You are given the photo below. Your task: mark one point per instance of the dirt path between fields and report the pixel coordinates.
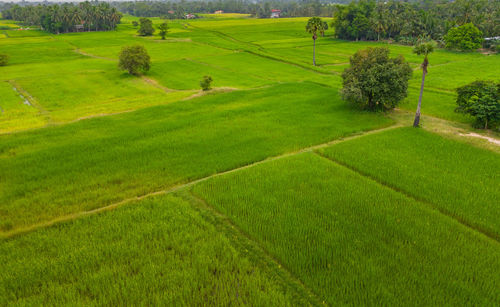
(175, 188)
(79, 51)
(157, 85)
(479, 136)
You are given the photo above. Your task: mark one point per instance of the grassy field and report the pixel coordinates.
(278, 192)
(355, 241)
(458, 179)
(160, 251)
(100, 161)
(238, 52)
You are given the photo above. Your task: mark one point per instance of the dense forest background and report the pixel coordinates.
(404, 21)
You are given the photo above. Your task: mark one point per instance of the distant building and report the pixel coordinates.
(219, 12)
(190, 16)
(275, 13)
(171, 12)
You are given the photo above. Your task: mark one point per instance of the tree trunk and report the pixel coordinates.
(419, 106)
(314, 52)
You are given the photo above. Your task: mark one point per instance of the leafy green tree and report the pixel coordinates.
(163, 30)
(466, 38)
(314, 26)
(135, 23)
(374, 81)
(325, 27)
(134, 59)
(206, 83)
(422, 49)
(146, 27)
(4, 59)
(481, 99)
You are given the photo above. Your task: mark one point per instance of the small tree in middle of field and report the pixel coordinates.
(314, 26)
(163, 30)
(374, 81)
(134, 59)
(4, 59)
(206, 83)
(422, 49)
(146, 27)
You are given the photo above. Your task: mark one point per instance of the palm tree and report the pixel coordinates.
(422, 49)
(315, 25)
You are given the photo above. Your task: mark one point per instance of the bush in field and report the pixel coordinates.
(480, 99)
(466, 38)
(134, 59)
(163, 30)
(135, 23)
(374, 81)
(206, 82)
(4, 59)
(146, 27)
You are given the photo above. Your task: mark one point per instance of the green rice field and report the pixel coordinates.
(268, 190)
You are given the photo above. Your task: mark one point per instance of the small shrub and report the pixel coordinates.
(4, 59)
(134, 59)
(206, 83)
(466, 38)
(135, 23)
(481, 99)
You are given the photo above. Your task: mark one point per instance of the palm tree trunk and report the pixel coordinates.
(417, 115)
(314, 52)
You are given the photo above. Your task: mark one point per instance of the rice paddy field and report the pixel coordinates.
(268, 190)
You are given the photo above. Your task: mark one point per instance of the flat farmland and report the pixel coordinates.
(267, 190)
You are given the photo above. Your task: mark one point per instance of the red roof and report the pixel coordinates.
(276, 11)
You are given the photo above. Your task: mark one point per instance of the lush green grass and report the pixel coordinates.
(15, 112)
(43, 49)
(87, 93)
(58, 70)
(458, 179)
(354, 241)
(92, 163)
(154, 252)
(225, 15)
(348, 238)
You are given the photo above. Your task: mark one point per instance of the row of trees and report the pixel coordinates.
(67, 17)
(408, 21)
(261, 9)
(374, 81)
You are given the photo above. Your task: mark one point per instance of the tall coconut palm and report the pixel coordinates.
(315, 25)
(422, 49)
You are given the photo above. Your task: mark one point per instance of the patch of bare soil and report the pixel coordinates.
(476, 135)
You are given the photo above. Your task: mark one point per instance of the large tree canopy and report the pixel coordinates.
(465, 38)
(374, 81)
(481, 99)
